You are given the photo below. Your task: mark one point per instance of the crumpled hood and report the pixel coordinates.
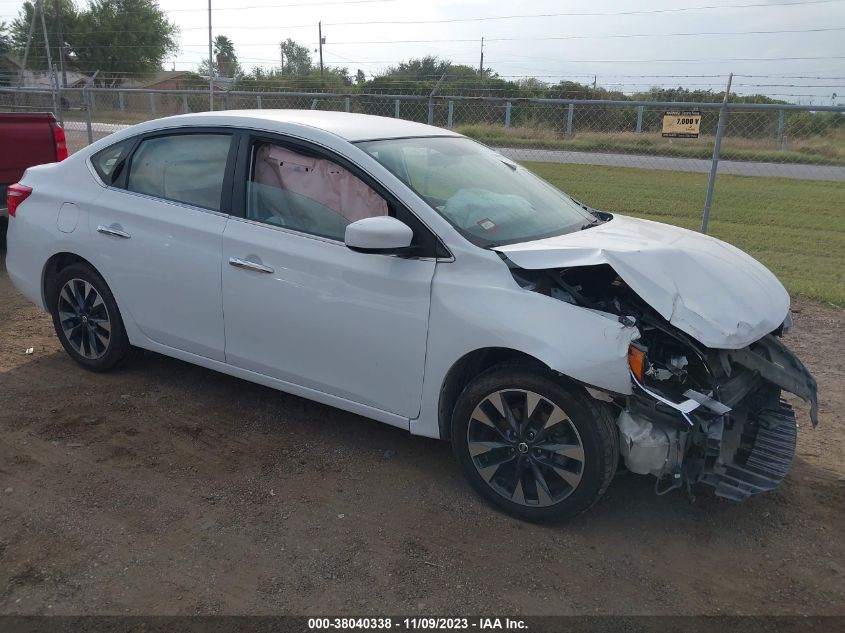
(709, 289)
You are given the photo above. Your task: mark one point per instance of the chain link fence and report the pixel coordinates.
(764, 140)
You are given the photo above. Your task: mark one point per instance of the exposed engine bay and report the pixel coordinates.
(696, 414)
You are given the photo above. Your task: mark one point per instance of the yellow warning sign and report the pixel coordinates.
(681, 123)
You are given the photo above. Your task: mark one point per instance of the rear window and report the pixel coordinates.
(188, 168)
(108, 162)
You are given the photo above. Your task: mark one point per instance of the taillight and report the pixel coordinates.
(61, 142)
(16, 194)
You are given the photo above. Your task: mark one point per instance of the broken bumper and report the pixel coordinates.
(741, 438)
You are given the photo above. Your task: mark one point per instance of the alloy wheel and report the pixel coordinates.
(84, 319)
(525, 447)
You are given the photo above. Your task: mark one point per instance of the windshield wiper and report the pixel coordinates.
(590, 224)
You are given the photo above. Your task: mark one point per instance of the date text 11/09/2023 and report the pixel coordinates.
(418, 624)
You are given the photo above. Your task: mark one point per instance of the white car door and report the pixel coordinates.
(299, 305)
(156, 234)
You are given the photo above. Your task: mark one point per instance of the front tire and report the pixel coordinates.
(86, 318)
(532, 445)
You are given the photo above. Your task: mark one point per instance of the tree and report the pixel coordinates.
(296, 59)
(120, 38)
(123, 38)
(360, 78)
(225, 59)
(37, 58)
(5, 41)
(419, 76)
(531, 87)
(6, 68)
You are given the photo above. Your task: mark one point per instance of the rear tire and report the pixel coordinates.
(87, 320)
(532, 445)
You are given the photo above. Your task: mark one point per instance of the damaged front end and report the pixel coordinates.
(696, 414)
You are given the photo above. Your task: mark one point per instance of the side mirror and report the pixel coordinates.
(382, 234)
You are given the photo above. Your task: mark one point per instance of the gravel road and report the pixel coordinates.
(674, 163)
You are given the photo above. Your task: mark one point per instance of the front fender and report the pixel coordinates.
(469, 313)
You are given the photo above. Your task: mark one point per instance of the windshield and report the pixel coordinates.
(490, 199)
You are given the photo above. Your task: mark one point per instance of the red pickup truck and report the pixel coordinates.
(27, 139)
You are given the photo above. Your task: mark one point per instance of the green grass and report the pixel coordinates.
(795, 227)
(814, 150)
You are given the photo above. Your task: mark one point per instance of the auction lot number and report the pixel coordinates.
(416, 624)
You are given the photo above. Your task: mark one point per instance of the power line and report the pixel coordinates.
(516, 39)
(594, 37)
(591, 14)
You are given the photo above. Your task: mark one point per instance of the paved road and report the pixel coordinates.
(667, 163)
(741, 168)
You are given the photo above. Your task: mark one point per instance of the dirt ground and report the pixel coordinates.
(169, 489)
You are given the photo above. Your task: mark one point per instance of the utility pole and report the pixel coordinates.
(322, 41)
(39, 6)
(61, 43)
(481, 63)
(210, 64)
(28, 41)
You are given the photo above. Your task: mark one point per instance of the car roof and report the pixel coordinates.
(347, 125)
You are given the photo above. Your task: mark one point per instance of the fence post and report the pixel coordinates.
(396, 107)
(86, 99)
(347, 106)
(451, 119)
(185, 102)
(431, 98)
(508, 114)
(570, 114)
(640, 119)
(313, 104)
(58, 98)
(258, 101)
(121, 102)
(781, 117)
(93, 99)
(153, 103)
(714, 165)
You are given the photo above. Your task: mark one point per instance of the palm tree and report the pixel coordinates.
(225, 47)
(224, 53)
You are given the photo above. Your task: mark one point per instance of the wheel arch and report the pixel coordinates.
(468, 367)
(53, 266)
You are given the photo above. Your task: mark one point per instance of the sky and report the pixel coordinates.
(625, 45)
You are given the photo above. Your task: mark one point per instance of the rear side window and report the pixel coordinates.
(108, 162)
(187, 168)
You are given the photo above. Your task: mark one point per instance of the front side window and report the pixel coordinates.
(307, 193)
(491, 200)
(187, 168)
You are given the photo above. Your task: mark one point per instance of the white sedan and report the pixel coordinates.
(411, 275)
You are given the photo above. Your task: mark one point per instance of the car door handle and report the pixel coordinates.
(248, 265)
(113, 230)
